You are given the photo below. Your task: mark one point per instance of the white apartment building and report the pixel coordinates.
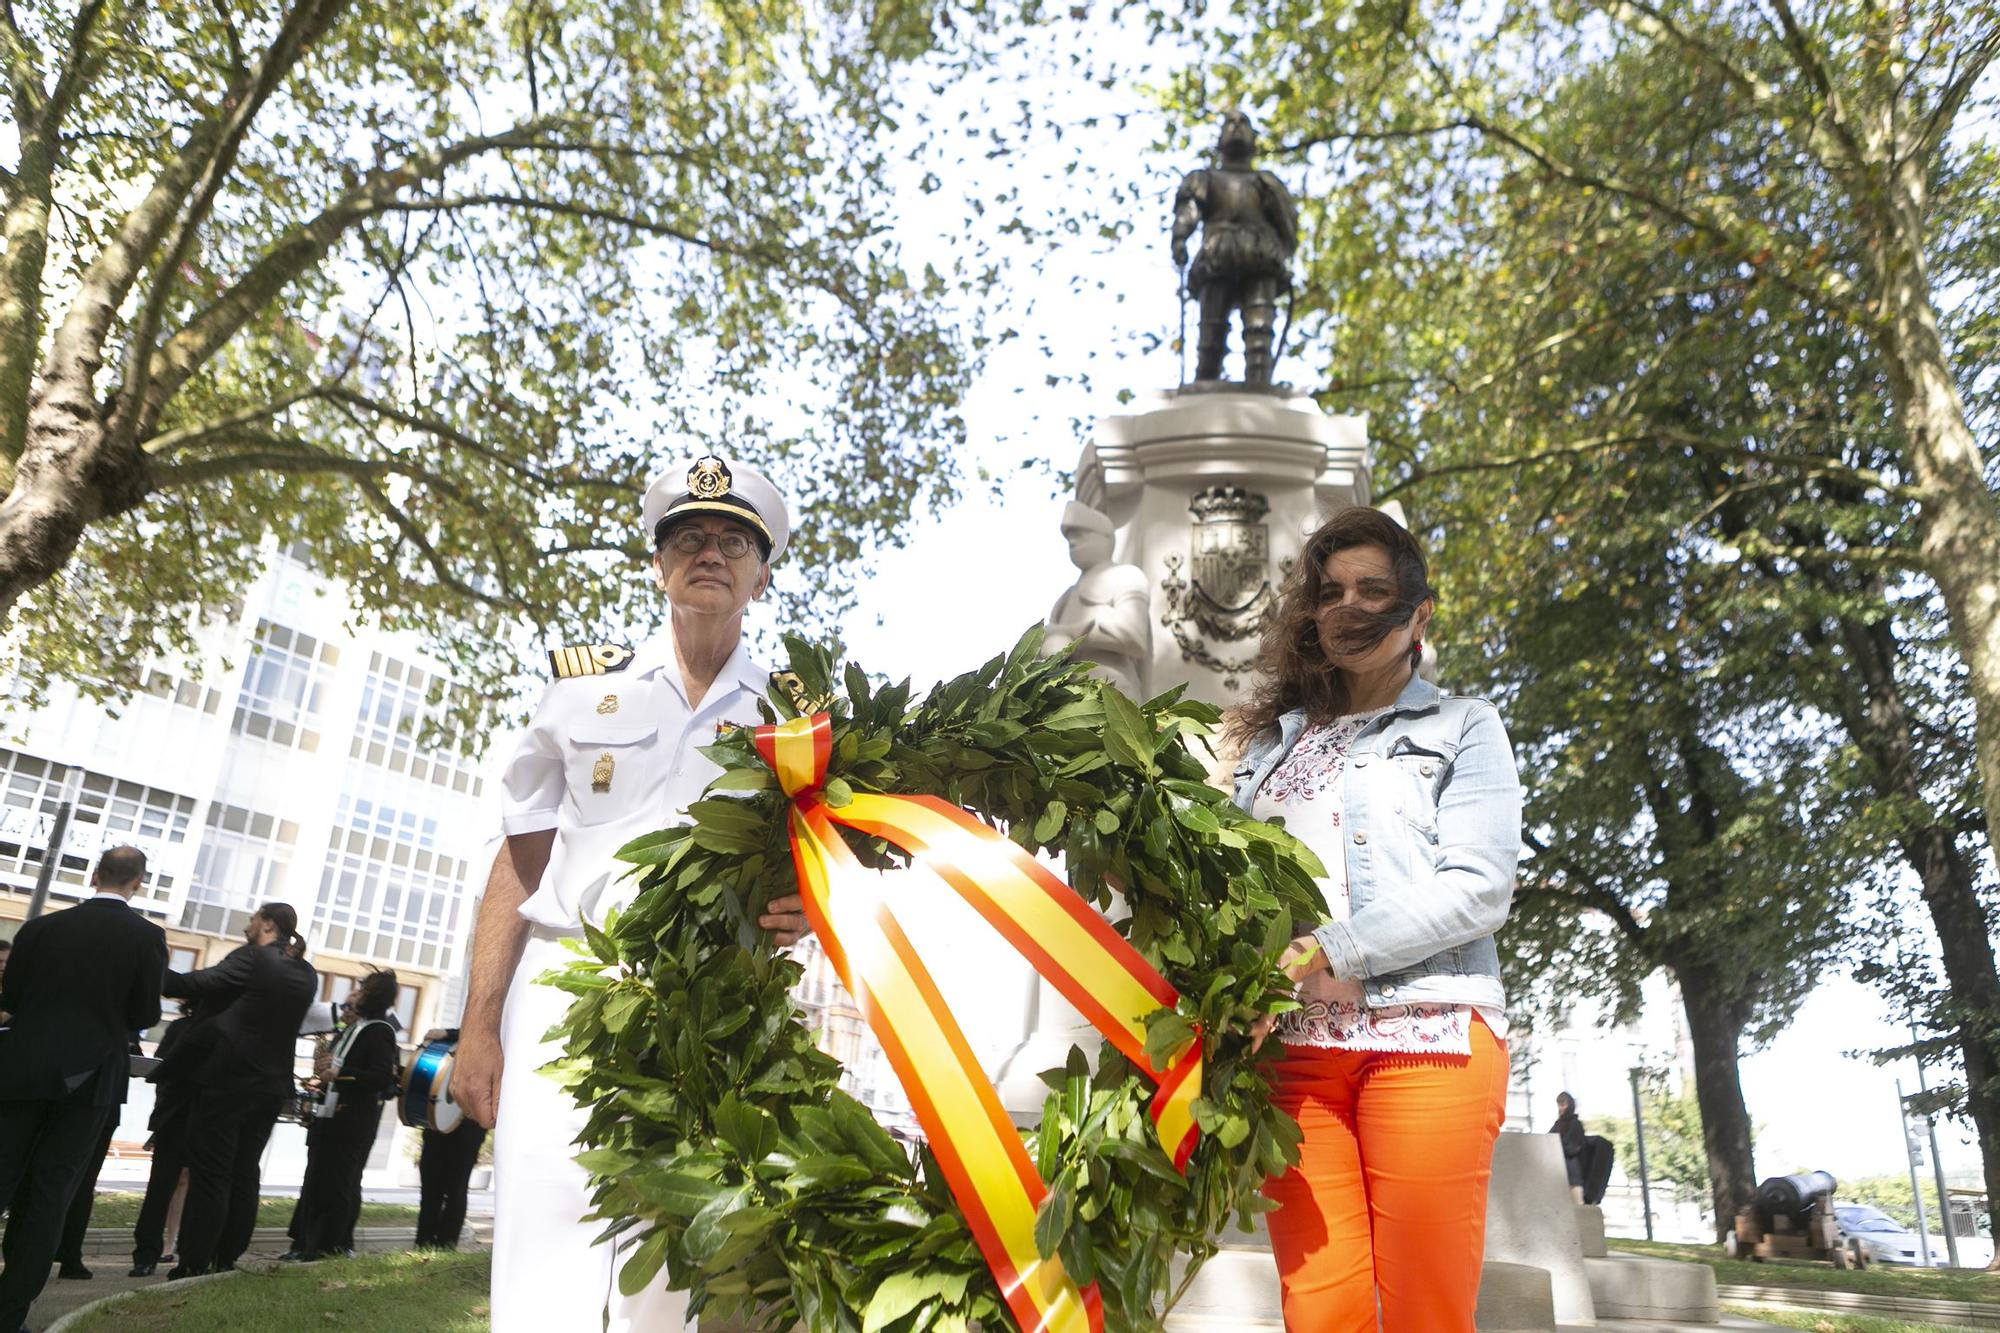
(295, 765)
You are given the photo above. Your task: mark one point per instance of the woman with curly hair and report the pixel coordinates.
(1395, 1065)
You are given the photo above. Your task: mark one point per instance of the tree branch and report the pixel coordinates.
(299, 249)
(441, 569)
(1952, 99)
(78, 64)
(302, 26)
(1799, 43)
(24, 77)
(1583, 889)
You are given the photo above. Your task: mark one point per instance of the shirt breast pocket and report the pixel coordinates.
(1420, 778)
(609, 768)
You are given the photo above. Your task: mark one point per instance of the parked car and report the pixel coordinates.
(1885, 1240)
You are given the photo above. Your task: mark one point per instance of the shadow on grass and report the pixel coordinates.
(431, 1291)
(120, 1211)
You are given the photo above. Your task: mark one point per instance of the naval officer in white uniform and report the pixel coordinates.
(611, 754)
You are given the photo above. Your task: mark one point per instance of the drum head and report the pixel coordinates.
(445, 1115)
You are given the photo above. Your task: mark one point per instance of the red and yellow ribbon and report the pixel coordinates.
(984, 1160)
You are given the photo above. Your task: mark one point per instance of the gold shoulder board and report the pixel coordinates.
(590, 659)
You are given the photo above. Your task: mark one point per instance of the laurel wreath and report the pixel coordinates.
(719, 1145)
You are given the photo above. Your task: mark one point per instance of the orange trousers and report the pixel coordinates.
(1389, 1197)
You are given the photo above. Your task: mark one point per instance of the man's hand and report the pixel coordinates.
(785, 918)
(475, 1076)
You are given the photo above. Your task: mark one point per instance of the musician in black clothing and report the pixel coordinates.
(243, 1071)
(357, 1074)
(445, 1171)
(173, 1105)
(79, 983)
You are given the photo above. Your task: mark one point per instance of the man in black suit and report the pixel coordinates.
(79, 984)
(244, 1076)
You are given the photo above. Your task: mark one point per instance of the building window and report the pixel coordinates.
(182, 693)
(107, 812)
(282, 686)
(404, 726)
(241, 865)
(387, 894)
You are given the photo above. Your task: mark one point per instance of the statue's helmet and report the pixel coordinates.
(1238, 141)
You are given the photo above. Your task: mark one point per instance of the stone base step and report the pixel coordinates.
(1590, 1230)
(1633, 1286)
(1238, 1288)
(1515, 1298)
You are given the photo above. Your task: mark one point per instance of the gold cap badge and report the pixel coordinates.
(709, 478)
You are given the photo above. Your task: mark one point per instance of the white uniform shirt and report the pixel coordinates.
(608, 758)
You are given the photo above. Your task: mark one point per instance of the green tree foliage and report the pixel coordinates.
(1640, 295)
(430, 288)
(1892, 1195)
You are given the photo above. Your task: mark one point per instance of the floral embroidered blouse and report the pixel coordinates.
(1307, 792)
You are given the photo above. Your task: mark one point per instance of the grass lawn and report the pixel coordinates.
(1839, 1323)
(432, 1291)
(121, 1211)
(1936, 1283)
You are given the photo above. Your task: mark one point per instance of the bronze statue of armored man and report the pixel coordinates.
(1249, 229)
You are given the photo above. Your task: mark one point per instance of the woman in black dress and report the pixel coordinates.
(359, 1074)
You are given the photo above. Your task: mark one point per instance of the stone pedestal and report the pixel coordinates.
(1530, 1220)
(1287, 461)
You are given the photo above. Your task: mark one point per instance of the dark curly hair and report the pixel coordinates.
(1292, 666)
(375, 994)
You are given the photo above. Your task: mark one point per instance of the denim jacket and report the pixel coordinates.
(1433, 835)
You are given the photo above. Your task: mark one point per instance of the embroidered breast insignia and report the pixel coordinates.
(607, 705)
(589, 659)
(600, 773)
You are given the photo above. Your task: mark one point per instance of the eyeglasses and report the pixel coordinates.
(690, 540)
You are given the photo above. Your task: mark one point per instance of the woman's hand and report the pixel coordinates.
(1301, 958)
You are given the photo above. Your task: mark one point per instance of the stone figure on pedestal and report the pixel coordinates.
(1249, 229)
(1105, 616)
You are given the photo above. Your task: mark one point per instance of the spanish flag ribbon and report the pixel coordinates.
(982, 1155)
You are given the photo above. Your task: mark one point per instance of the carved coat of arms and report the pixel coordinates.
(1228, 590)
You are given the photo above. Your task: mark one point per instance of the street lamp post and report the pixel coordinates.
(1916, 1188)
(1639, 1134)
(1937, 1167)
(51, 854)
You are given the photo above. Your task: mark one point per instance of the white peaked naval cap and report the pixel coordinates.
(712, 484)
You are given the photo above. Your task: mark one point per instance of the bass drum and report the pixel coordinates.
(426, 1100)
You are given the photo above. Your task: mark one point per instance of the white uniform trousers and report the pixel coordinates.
(547, 1275)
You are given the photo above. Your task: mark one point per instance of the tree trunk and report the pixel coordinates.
(1715, 1027)
(1958, 523)
(69, 476)
(1879, 721)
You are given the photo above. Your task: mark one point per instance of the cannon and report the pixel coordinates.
(1792, 1218)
